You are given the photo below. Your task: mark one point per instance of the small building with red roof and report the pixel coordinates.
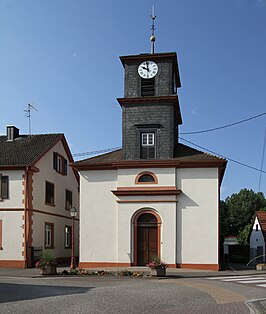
(258, 236)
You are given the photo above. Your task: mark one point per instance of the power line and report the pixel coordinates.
(262, 158)
(212, 152)
(201, 147)
(96, 152)
(224, 126)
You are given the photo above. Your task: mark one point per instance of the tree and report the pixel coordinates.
(243, 235)
(238, 210)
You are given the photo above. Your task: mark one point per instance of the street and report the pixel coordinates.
(97, 294)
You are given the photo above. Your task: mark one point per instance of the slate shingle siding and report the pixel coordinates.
(163, 80)
(149, 114)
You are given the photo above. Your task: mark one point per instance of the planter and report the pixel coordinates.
(158, 272)
(49, 270)
(261, 266)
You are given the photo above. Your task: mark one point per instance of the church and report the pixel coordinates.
(155, 197)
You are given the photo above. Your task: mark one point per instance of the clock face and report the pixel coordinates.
(148, 69)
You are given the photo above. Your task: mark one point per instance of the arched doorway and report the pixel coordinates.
(146, 237)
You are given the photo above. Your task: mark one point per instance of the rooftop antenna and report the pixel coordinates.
(152, 38)
(28, 112)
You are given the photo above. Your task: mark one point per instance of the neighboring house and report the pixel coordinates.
(258, 236)
(37, 190)
(155, 196)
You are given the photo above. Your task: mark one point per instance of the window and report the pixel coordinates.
(60, 164)
(146, 178)
(257, 227)
(49, 193)
(68, 203)
(68, 237)
(147, 146)
(49, 235)
(3, 187)
(147, 139)
(148, 87)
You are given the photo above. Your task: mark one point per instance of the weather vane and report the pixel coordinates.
(28, 111)
(152, 38)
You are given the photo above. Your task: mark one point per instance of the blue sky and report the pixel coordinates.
(62, 56)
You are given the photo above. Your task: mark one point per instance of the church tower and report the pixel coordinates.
(150, 106)
(146, 199)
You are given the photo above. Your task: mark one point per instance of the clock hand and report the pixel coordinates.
(145, 68)
(147, 64)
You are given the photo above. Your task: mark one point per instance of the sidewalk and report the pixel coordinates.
(171, 272)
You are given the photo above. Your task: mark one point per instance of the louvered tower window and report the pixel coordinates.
(148, 87)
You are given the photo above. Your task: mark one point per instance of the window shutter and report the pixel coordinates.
(65, 167)
(1, 234)
(148, 87)
(147, 152)
(4, 187)
(55, 161)
(0, 186)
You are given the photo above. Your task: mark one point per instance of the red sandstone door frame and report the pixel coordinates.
(135, 232)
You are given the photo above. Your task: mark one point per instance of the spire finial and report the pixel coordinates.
(152, 38)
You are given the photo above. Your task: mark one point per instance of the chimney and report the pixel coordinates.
(12, 132)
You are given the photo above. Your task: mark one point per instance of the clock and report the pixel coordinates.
(148, 69)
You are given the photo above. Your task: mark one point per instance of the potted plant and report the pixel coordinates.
(261, 266)
(158, 268)
(47, 264)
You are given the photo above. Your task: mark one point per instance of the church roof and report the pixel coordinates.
(184, 154)
(25, 150)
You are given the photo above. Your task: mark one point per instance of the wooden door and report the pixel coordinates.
(147, 242)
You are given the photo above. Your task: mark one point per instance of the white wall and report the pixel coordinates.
(16, 188)
(12, 235)
(98, 216)
(59, 250)
(197, 231)
(47, 173)
(166, 176)
(256, 238)
(61, 183)
(189, 231)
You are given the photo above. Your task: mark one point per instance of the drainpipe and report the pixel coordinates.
(27, 217)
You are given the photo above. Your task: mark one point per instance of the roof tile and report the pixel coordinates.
(25, 149)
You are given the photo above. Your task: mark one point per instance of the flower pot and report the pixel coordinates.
(261, 267)
(49, 270)
(158, 272)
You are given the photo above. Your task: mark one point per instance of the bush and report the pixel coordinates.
(239, 259)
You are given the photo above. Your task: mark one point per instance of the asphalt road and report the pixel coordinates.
(124, 295)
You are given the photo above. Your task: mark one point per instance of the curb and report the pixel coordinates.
(256, 306)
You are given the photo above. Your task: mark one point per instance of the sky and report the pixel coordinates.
(62, 56)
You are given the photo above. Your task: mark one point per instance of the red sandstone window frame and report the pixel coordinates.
(68, 237)
(49, 193)
(49, 237)
(149, 173)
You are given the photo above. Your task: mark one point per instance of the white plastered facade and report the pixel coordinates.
(189, 221)
(257, 241)
(12, 211)
(12, 218)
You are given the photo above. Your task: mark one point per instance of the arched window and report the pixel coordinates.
(147, 219)
(146, 178)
